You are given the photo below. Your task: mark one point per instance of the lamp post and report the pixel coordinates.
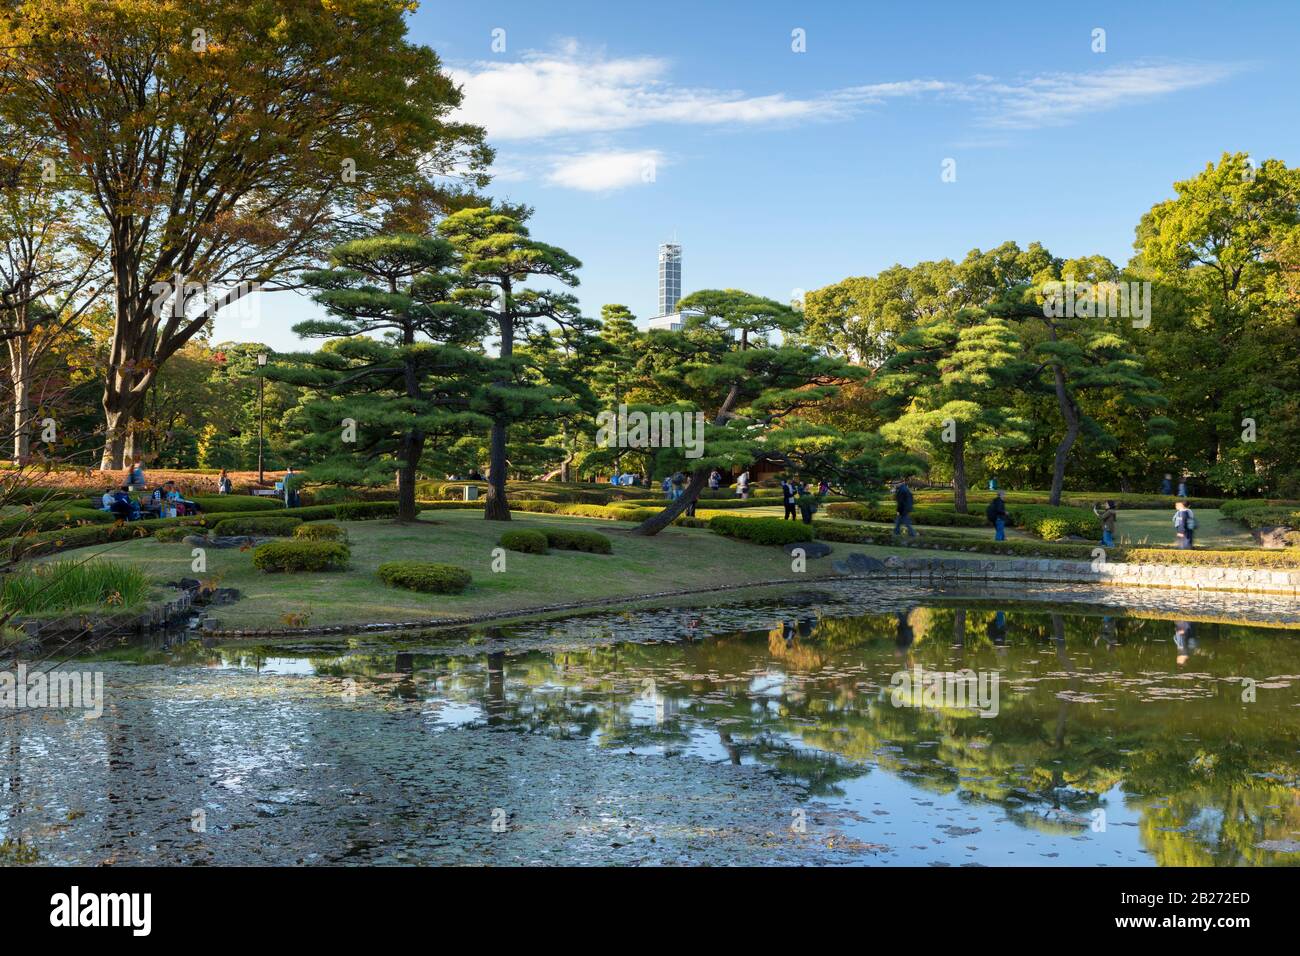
(261, 392)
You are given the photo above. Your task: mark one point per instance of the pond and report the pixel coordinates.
(851, 725)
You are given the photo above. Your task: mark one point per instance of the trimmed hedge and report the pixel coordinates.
(172, 535)
(39, 494)
(365, 510)
(956, 541)
(319, 532)
(536, 505)
(931, 515)
(575, 539)
(237, 504)
(333, 495)
(277, 556)
(761, 530)
(526, 542)
(614, 512)
(1237, 558)
(274, 526)
(422, 576)
(49, 518)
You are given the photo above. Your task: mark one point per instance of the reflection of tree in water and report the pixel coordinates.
(1087, 703)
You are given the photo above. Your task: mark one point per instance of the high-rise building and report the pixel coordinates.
(670, 277)
(670, 288)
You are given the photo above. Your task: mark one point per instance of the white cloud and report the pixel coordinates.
(1056, 98)
(606, 170)
(578, 91)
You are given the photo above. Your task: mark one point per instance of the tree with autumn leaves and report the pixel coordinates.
(224, 144)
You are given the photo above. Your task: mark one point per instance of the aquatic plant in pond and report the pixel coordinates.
(74, 586)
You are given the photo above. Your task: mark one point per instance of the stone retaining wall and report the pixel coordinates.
(1188, 577)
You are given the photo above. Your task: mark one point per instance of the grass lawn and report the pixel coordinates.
(677, 558)
(1213, 530)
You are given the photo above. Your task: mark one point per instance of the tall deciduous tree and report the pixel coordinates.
(225, 142)
(498, 256)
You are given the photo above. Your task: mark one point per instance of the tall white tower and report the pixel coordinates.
(670, 277)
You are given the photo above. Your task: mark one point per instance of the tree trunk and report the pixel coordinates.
(496, 508)
(1071, 415)
(115, 423)
(18, 367)
(656, 523)
(412, 449)
(959, 474)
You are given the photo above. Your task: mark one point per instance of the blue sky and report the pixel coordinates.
(626, 124)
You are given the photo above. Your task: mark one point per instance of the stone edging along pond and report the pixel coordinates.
(1285, 584)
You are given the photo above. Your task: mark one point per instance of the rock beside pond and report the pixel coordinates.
(811, 549)
(859, 563)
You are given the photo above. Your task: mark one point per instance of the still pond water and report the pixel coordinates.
(770, 732)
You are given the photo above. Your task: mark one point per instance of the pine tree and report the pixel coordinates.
(948, 388)
(380, 400)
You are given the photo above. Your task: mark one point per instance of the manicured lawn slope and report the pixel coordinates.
(678, 558)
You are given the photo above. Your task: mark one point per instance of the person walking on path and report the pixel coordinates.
(742, 484)
(1167, 486)
(224, 485)
(1184, 525)
(787, 497)
(1182, 487)
(135, 479)
(1108, 515)
(904, 502)
(715, 480)
(996, 512)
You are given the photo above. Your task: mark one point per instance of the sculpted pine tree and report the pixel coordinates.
(948, 390)
(400, 368)
(498, 257)
(227, 143)
(751, 391)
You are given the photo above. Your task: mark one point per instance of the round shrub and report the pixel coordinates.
(301, 556)
(320, 532)
(422, 576)
(573, 539)
(275, 527)
(527, 542)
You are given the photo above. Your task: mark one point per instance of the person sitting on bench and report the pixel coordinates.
(124, 507)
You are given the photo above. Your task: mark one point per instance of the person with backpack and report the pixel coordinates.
(904, 502)
(715, 480)
(1108, 515)
(1184, 525)
(224, 485)
(996, 512)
